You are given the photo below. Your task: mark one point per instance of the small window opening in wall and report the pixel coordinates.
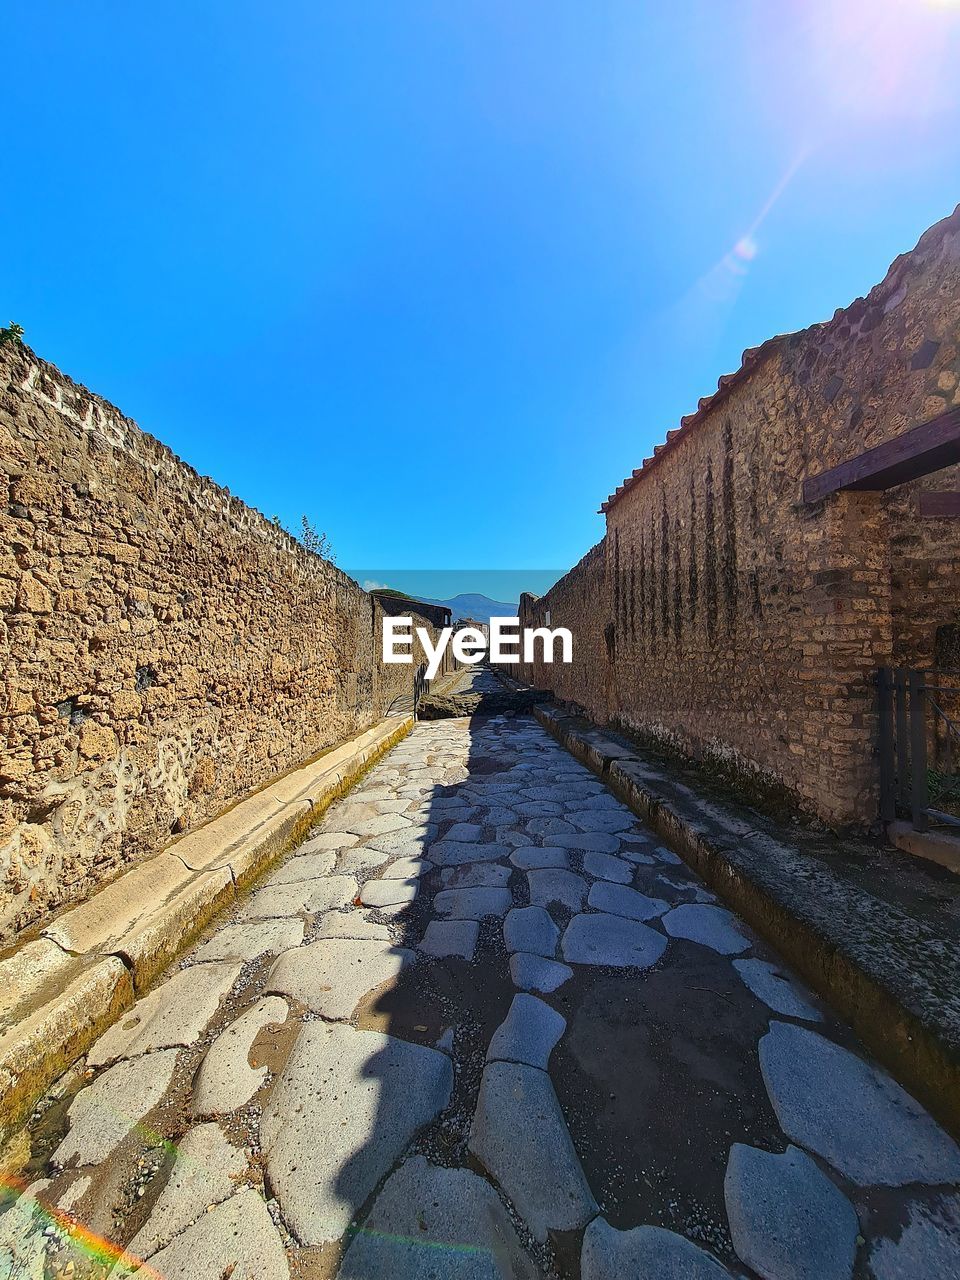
(69, 709)
(546, 618)
(146, 678)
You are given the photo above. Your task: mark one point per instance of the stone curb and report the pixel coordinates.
(60, 991)
(890, 976)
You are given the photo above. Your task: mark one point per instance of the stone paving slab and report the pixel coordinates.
(777, 990)
(497, 816)
(102, 1114)
(645, 1253)
(412, 842)
(175, 1013)
(589, 842)
(443, 806)
(544, 828)
(227, 1079)
(450, 938)
(787, 1219)
(250, 939)
(711, 927)
(663, 854)
(611, 940)
(537, 973)
(389, 893)
(622, 901)
(852, 1114)
(361, 861)
(472, 904)
(606, 820)
(340, 1115)
(927, 1243)
(528, 1034)
(307, 897)
(531, 929)
(483, 875)
(639, 857)
(406, 869)
(606, 867)
(206, 1171)
(531, 858)
(564, 888)
(688, 888)
(333, 975)
(379, 824)
(520, 1136)
(514, 839)
(603, 801)
(430, 1223)
(539, 808)
(351, 924)
(382, 802)
(564, 791)
(236, 1239)
(333, 840)
(449, 853)
(470, 832)
(308, 866)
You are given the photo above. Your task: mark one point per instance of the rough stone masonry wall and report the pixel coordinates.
(747, 626)
(165, 648)
(579, 602)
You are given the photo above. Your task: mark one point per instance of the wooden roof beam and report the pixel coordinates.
(917, 452)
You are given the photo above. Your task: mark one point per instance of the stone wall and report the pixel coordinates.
(745, 626)
(579, 602)
(166, 648)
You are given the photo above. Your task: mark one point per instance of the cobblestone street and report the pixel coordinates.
(481, 1024)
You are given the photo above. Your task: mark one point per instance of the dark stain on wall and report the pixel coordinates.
(693, 576)
(729, 531)
(710, 555)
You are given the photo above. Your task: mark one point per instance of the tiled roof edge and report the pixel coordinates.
(928, 243)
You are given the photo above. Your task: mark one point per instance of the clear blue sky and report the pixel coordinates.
(440, 274)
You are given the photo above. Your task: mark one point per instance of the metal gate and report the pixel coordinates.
(920, 746)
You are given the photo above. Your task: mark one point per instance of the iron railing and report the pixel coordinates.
(920, 746)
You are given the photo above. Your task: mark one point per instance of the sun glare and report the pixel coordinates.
(884, 59)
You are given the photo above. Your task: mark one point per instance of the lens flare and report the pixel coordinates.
(94, 1247)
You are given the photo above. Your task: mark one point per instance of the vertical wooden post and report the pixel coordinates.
(888, 797)
(903, 736)
(918, 753)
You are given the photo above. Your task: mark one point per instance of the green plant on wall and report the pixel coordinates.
(316, 541)
(13, 333)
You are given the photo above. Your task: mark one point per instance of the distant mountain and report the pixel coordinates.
(472, 605)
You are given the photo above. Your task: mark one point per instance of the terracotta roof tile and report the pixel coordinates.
(928, 245)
